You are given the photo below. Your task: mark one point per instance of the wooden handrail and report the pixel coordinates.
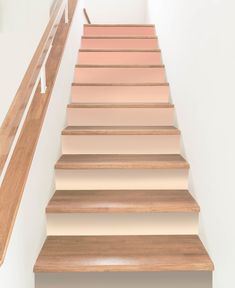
(86, 16)
(17, 171)
(15, 113)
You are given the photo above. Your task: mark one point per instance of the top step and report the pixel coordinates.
(119, 30)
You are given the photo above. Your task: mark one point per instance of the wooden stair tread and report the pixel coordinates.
(120, 130)
(101, 201)
(123, 253)
(121, 161)
(120, 105)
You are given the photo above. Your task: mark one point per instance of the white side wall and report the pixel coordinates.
(116, 11)
(30, 227)
(21, 26)
(198, 44)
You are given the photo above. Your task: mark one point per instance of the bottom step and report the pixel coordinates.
(122, 254)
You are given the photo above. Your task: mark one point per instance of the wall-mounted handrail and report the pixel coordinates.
(11, 190)
(86, 16)
(15, 113)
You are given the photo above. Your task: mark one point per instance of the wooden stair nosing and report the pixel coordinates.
(121, 105)
(159, 253)
(121, 50)
(118, 66)
(119, 37)
(122, 201)
(121, 84)
(121, 161)
(119, 25)
(120, 130)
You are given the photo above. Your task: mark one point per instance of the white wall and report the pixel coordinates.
(29, 230)
(116, 11)
(21, 26)
(198, 44)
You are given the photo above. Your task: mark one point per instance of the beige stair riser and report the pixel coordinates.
(115, 94)
(125, 280)
(121, 144)
(119, 31)
(119, 58)
(95, 179)
(119, 75)
(120, 116)
(114, 43)
(122, 224)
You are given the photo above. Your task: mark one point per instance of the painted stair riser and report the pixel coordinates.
(119, 75)
(112, 43)
(125, 280)
(171, 223)
(119, 58)
(119, 31)
(123, 94)
(95, 179)
(120, 144)
(120, 116)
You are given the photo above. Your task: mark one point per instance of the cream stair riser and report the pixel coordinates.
(92, 179)
(171, 223)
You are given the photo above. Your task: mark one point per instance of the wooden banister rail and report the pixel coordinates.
(15, 113)
(86, 16)
(17, 171)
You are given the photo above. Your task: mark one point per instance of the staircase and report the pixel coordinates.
(121, 202)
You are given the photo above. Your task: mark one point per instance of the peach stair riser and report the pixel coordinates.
(120, 93)
(120, 144)
(119, 43)
(122, 57)
(122, 74)
(105, 30)
(162, 116)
